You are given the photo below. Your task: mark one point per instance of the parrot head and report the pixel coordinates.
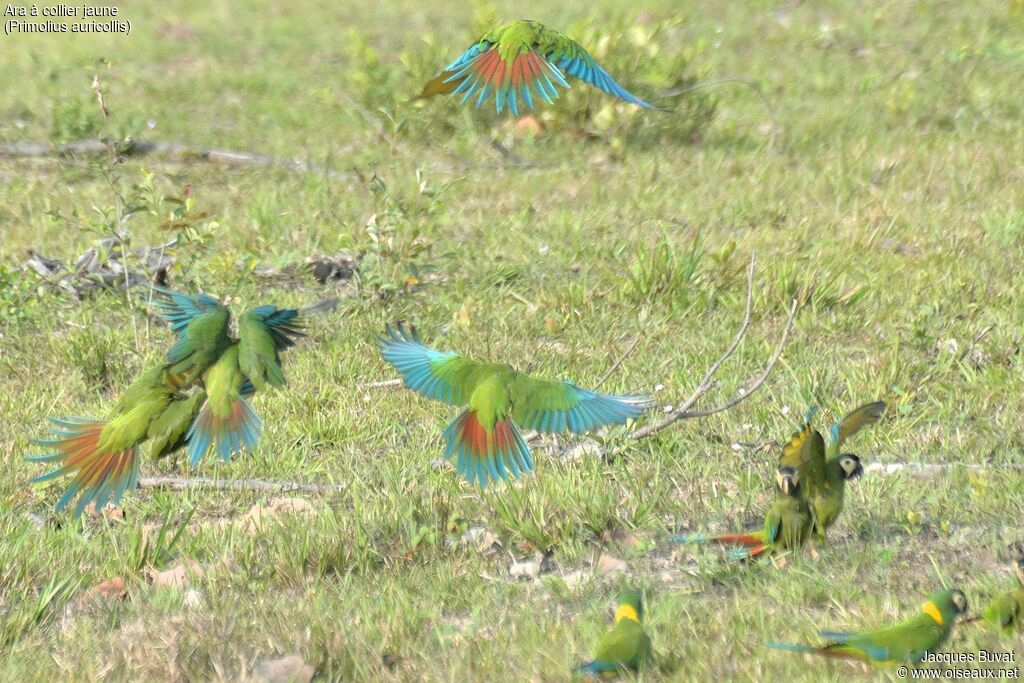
(630, 606)
(945, 606)
(787, 479)
(851, 466)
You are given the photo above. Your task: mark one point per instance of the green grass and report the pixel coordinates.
(890, 205)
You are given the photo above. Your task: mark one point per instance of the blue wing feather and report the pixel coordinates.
(402, 349)
(589, 71)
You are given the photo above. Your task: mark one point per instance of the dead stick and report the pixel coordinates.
(187, 483)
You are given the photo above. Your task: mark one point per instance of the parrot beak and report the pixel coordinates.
(787, 480)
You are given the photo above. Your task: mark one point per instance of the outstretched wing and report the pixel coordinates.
(282, 325)
(481, 71)
(438, 375)
(200, 324)
(570, 57)
(178, 310)
(556, 407)
(805, 451)
(856, 420)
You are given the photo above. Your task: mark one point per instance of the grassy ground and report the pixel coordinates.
(890, 204)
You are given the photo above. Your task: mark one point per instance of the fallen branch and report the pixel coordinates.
(188, 483)
(922, 469)
(685, 410)
(138, 148)
(383, 383)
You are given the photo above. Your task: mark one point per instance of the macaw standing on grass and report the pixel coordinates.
(824, 471)
(1006, 612)
(788, 522)
(511, 59)
(102, 456)
(485, 439)
(626, 647)
(906, 642)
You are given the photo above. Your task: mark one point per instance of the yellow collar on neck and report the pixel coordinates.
(932, 610)
(625, 611)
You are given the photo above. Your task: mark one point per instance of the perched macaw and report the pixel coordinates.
(906, 642)
(484, 438)
(101, 456)
(1006, 613)
(626, 647)
(511, 59)
(824, 471)
(787, 524)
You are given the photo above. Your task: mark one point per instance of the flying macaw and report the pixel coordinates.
(787, 524)
(200, 324)
(824, 471)
(906, 642)
(230, 370)
(511, 59)
(485, 439)
(626, 647)
(101, 456)
(1006, 613)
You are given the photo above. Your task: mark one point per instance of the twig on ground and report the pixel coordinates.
(922, 469)
(383, 383)
(131, 148)
(187, 483)
(685, 410)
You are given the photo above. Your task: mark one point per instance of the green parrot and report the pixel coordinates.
(266, 331)
(485, 438)
(101, 456)
(626, 647)
(200, 324)
(906, 642)
(226, 422)
(787, 524)
(229, 370)
(1006, 613)
(824, 471)
(511, 59)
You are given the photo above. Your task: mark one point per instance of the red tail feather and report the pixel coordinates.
(749, 540)
(96, 476)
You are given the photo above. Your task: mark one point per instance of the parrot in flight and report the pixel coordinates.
(824, 470)
(906, 642)
(626, 647)
(788, 522)
(485, 439)
(196, 399)
(511, 59)
(101, 456)
(1006, 613)
(231, 370)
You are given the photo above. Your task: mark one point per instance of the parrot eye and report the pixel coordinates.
(960, 602)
